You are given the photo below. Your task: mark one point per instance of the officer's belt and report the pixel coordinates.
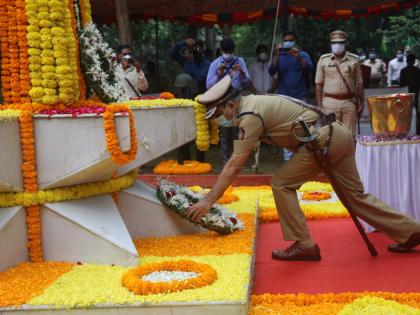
(340, 96)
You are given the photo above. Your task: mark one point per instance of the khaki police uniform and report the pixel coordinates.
(377, 71)
(336, 97)
(279, 114)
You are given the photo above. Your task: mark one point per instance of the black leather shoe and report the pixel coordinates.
(295, 253)
(406, 247)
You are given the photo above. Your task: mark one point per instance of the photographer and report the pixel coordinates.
(228, 64)
(189, 55)
(292, 66)
(133, 75)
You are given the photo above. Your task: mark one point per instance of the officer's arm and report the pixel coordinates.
(318, 94)
(227, 176)
(319, 81)
(225, 179)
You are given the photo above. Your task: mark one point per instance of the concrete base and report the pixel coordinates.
(13, 237)
(145, 215)
(71, 229)
(176, 309)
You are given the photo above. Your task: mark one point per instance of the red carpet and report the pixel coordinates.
(346, 264)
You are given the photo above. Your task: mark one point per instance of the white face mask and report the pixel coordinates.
(227, 57)
(400, 57)
(223, 122)
(362, 57)
(263, 56)
(338, 48)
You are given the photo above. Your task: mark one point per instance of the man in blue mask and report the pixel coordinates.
(228, 64)
(293, 67)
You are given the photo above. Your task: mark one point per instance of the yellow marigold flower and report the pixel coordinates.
(32, 28)
(33, 36)
(33, 21)
(34, 51)
(59, 53)
(36, 74)
(35, 60)
(36, 92)
(46, 45)
(36, 82)
(56, 16)
(48, 60)
(49, 84)
(45, 31)
(49, 75)
(45, 23)
(49, 91)
(46, 38)
(58, 31)
(50, 99)
(48, 68)
(65, 83)
(43, 3)
(43, 15)
(66, 98)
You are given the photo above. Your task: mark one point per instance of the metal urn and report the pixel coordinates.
(390, 115)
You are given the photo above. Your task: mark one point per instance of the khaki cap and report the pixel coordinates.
(215, 95)
(338, 36)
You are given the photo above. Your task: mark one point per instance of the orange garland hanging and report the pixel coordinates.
(33, 214)
(132, 279)
(22, 21)
(113, 146)
(316, 196)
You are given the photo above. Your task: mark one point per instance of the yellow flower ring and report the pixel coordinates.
(112, 143)
(133, 281)
(315, 195)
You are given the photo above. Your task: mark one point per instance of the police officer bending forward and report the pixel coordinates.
(272, 119)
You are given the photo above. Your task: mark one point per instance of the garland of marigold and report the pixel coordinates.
(203, 138)
(81, 77)
(13, 52)
(112, 142)
(76, 192)
(171, 167)
(132, 279)
(214, 132)
(5, 56)
(22, 21)
(33, 219)
(86, 11)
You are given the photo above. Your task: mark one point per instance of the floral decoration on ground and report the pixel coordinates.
(179, 198)
(316, 195)
(87, 284)
(27, 280)
(336, 304)
(199, 275)
(172, 167)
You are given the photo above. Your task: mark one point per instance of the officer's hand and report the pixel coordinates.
(237, 67)
(190, 42)
(198, 210)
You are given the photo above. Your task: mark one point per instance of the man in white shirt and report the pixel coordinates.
(258, 72)
(132, 74)
(377, 69)
(394, 68)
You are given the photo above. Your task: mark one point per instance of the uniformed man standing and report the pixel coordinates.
(378, 69)
(273, 119)
(339, 82)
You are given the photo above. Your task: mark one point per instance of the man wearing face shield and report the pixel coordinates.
(377, 69)
(394, 68)
(189, 54)
(228, 64)
(339, 82)
(280, 120)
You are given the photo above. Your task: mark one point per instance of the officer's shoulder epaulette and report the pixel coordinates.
(326, 55)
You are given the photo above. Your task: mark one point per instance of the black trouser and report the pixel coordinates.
(227, 135)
